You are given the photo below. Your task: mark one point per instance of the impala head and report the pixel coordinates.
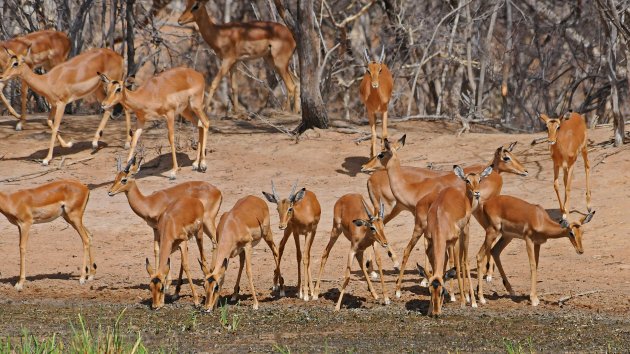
(212, 284)
(113, 91)
(472, 179)
(374, 223)
(157, 284)
(552, 125)
(575, 231)
(285, 206)
(124, 175)
(505, 161)
(192, 8)
(436, 288)
(14, 64)
(382, 158)
(374, 67)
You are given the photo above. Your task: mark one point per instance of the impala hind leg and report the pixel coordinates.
(237, 286)
(359, 255)
(334, 235)
(248, 270)
(8, 105)
(531, 254)
(88, 267)
(417, 233)
(268, 237)
(226, 65)
(203, 123)
(482, 258)
(59, 108)
(199, 241)
(282, 68)
(184, 250)
(346, 279)
(25, 228)
(377, 256)
(466, 267)
(298, 256)
(496, 254)
(306, 259)
(587, 171)
(170, 124)
(234, 89)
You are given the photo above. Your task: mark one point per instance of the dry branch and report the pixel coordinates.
(564, 299)
(42, 173)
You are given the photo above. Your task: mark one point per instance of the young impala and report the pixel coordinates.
(236, 41)
(150, 207)
(299, 214)
(239, 230)
(510, 217)
(48, 48)
(68, 82)
(565, 144)
(66, 198)
(181, 220)
(375, 91)
(447, 225)
(362, 227)
(174, 91)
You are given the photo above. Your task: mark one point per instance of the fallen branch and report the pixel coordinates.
(564, 299)
(277, 127)
(539, 140)
(622, 148)
(42, 173)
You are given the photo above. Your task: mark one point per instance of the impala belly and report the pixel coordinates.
(253, 49)
(47, 213)
(513, 229)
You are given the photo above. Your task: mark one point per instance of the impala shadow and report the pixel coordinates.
(352, 165)
(57, 276)
(59, 152)
(349, 301)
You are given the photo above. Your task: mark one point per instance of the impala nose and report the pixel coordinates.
(525, 173)
(477, 195)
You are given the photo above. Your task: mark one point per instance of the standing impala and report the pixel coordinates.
(299, 214)
(181, 220)
(353, 217)
(48, 48)
(67, 198)
(150, 207)
(447, 225)
(240, 229)
(565, 144)
(236, 41)
(375, 91)
(172, 92)
(510, 217)
(68, 82)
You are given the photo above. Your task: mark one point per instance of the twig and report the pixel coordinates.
(364, 138)
(539, 140)
(278, 128)
(564, 299)
(41, 173)
(622, 148)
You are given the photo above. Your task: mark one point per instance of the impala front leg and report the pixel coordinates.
(226, 65)
(59, 108)
(170, 124)
(23, 99)
(372, 119)
(8, 105)
(385, 135)
(556, 187)
(359, 256)
(533, 295)
(202, 125)
(379, 263)
(24, 231)
(101, 127)
(346, 279)
(237, 286)
(136, 137)
(587, 170)
(417, 233)
(248, 270)
(234, 87)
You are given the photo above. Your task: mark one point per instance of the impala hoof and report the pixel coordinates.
(91, 277)
(18, 127)
(282, 293)
(305, 298)
(82, 281)
(535, 302)
(255, 306)
(474, 305)
(69, 144)
(195, 166)
(172, 175)
(488, 278)
(95, 145)
(482, 300)
(19, 286)
(45, 162)
(374, 275)
(398, 293)
(424, 283)
(387, 301)
(127, 145)
(203, 167)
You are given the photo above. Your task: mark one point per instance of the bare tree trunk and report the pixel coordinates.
(112, 23)
(438, 110)
(131, 50)
(471, 75)
(76, 29)
(507, 62)
(486, 54)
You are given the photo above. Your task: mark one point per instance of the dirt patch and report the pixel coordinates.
(244, 155)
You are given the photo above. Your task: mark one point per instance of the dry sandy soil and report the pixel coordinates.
(244, 155)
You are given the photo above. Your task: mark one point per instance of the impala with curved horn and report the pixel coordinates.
(299, 215)
(375, 91)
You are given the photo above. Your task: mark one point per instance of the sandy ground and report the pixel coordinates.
(244, 155)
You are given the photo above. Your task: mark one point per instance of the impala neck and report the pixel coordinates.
(554, 230)
(439, 257)
(37, 83)
(396, 179)
(4, 204)
(207, 28)
(137, 201)
(132, 100)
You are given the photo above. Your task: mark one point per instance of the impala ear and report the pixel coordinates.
(459, 172)
(28, 53)
(450, 274)
(512, 145)
(486, 172)
(587, 218)
(149, 268)
(401, 141)
(204, 268)
(9, 52)
(422, 272)
(270, 197)
(225, 263)
(543, 117)
(299, 195)
(103, 77)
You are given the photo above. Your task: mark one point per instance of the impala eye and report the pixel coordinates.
(380, 155)
(506, 158)
(118, 89)
(195, 7)
(373, 228)
(467, 181)
(15, 64)
(290, 210)
(123, 181)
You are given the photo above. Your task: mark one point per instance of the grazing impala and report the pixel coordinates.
(150, 207)
(174, 91)
(68, 82)
(240, 229)
(565, 144)
(362, 227)
(510, 217)
(181, 220)
(375, 91)
(299, 214)
(67, 198)
(447, 225)
(47, 49)
(237, 41)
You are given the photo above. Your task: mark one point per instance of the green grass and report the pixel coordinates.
(515, 347)
(224, 318)
(83, 340)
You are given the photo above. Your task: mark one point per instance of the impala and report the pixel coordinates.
(375, 91)
(68, 82)
(239, 230)
(237, 41)
(361, 227)
(299, 214)
(150, 207)
(181, 220)
(47, 49)
(510, 217)
(174, 91)
(565, 144)
(66, 198)
(447, 224)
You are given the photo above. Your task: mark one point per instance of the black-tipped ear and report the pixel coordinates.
(512, 145)
(270, 197)
(588, 217)
(486, 172)
(225, 263)
(564, 223)
(421, 271)
(299, 195)
(450, 274)
(359, 222)
(459, 172)
(388, 146)
(401, 141)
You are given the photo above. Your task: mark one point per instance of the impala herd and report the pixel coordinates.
(441, 202)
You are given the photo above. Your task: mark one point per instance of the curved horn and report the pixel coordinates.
(293, 190)
(130, 163)
(382, 57)
(118, 164)
(367, 210)
(367, 56)
(273, 191)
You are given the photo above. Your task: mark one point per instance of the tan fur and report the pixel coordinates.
(375, 91)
